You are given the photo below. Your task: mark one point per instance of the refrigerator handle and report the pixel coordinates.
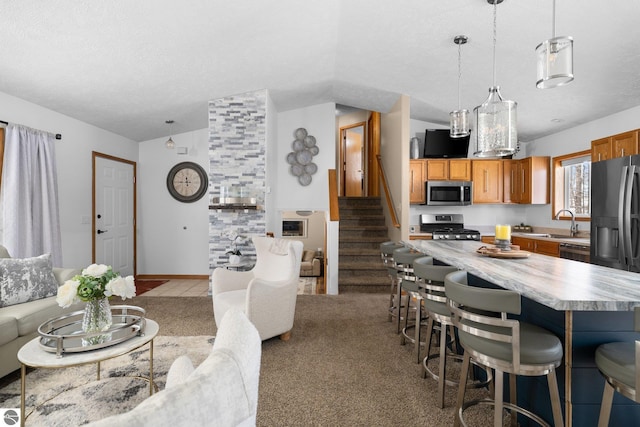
(626, 231)
(622, 205)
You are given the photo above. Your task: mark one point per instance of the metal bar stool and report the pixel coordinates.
(619, 363)
(386, 253)
(403, 259)
(430, 280)
(413, 289)
(505, 345)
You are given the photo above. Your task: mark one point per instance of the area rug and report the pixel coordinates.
(143, 286)
(73, 396)
(307, 285)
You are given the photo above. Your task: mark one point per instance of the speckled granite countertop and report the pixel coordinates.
(557, 283)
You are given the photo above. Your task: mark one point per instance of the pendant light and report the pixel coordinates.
(170, 144)
(459, 119)
(555, 59)
(496, 119)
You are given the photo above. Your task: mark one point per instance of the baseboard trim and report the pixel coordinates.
(172, 277)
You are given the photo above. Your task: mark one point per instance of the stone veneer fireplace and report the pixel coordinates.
(237, 156)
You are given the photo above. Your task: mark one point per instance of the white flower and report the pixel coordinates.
(95, 270)
(67, 293)
(121, 286)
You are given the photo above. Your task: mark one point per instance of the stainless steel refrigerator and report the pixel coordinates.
(615, 213)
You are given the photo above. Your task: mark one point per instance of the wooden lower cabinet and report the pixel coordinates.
(538, 246)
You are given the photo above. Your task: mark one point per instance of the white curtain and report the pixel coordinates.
(30, 217)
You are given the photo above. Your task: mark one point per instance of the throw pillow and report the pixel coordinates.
(179, 371)
(26, 279)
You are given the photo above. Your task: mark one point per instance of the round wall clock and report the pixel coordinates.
(187, 182)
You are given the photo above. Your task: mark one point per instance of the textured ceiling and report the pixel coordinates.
(127, 66)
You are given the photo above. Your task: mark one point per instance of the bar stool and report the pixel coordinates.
(386, 253)
(414, 291)
(619, 363)
(505, 345)
(430, 280)
(403, 259)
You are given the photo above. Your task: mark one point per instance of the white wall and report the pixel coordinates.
(319, 121)
(572, 140)
(173, 237)
(394, 151)
(73, 154)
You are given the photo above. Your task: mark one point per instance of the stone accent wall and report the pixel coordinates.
(237, 158)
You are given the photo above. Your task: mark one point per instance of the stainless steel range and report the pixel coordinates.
(447, 227)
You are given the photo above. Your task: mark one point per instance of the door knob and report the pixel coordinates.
(102, 231)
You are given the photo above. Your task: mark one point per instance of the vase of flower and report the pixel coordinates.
(94, 286)
(97, 318)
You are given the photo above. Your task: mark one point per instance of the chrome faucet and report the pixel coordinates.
(574, 226)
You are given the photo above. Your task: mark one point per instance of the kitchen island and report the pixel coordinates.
(584, 304)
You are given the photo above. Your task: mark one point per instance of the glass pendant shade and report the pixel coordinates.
(496, 131)
(170, 144)
(459, 123)
(555, 62)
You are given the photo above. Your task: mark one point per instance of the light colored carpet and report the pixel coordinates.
(73, 396)
(307, 285)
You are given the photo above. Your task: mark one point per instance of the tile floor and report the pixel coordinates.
(180, 288)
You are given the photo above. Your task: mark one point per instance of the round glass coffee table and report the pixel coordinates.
(32, 355)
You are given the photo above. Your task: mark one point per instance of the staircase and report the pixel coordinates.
(362, 229)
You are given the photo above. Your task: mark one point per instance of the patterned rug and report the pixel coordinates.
(307, 285)
(73, 396)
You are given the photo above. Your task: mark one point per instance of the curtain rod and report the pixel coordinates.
(58, 136)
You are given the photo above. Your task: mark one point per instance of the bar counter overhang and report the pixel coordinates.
(583, 304)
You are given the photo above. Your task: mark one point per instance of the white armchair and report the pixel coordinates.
(267, 293)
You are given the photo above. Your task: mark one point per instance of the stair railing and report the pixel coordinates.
(387, 193)
(334, 209)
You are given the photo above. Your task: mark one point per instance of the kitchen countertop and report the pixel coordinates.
(554, 282)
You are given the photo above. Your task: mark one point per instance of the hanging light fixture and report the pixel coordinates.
(555, 59)
(170, 144)
(496, 119)
(459, 119)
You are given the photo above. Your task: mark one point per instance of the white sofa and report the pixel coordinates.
(310, 265)
(222, 391)
(267, 293)
(19, 323)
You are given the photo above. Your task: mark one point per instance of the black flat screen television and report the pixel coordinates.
(438, 144)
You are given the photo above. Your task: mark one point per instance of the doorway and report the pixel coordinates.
(114, 213)
(353, 139)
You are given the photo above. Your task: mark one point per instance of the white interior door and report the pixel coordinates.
(114, 215)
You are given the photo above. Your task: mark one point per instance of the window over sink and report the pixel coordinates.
(572, 184)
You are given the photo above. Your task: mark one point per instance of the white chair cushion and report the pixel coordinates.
(228, 300)
(180, 370)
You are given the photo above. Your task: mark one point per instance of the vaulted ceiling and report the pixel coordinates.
(127, 66)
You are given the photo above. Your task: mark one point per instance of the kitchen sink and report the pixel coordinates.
(563, 236)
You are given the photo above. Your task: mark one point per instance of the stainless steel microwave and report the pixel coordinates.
(448, 193)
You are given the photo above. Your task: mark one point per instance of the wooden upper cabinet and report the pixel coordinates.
(508, 181)
(416, 181)
(437, 170)
(449, 170)
(601, 149)
(526, 181)
(620, 145)
(487, 181)
(624, 144)
(460, 170)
